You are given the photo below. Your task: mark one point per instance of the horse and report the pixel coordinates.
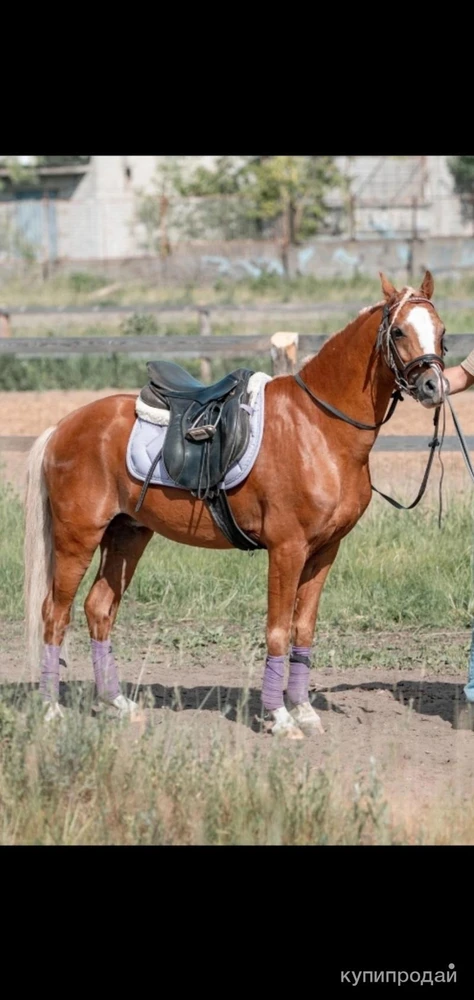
(309, 486)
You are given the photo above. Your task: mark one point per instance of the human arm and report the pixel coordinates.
(461, 376)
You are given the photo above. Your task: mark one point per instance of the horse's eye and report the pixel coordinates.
(397, 333)
(444, 349)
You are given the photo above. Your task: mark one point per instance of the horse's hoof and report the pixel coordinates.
(285, 726)
(307, 719)
(54, 711)
(124, 707)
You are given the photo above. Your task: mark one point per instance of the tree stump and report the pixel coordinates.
(284, 353)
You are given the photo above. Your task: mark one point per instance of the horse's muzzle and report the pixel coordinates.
(430, 388)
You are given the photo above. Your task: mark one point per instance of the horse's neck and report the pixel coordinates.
(349, 374)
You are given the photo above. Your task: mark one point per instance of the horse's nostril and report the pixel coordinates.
(430, 385)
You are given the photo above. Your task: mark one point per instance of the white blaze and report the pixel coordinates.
(424, 328)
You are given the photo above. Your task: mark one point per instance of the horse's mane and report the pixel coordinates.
(362, 314)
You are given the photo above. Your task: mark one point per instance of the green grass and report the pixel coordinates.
(89, 781)
(81, 287)
(395, 570)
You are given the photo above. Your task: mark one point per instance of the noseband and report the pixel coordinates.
(387, 346)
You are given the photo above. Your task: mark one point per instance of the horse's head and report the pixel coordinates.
(411, 338)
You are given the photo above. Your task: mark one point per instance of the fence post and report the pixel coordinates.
(205, 330)
(5, 328)
(284, 353)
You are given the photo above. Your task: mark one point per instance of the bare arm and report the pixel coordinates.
(460, 377)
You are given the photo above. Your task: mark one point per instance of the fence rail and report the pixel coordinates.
(459, 345)
(385, 443)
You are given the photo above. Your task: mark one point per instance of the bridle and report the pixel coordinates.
(386, 346)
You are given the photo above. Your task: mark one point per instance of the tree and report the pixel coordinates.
(462, 170)
(283, 195)
(291, 191)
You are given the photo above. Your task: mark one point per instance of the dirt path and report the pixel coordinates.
(417, 729)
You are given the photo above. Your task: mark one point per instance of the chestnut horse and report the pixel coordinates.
(307, 489)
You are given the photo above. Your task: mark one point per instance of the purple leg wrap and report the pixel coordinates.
(49, 683)
(297, 690)
(105, 670)
(272, 687)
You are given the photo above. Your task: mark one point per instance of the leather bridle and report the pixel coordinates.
(387, 346)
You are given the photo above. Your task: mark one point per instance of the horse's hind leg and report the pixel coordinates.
(122, 546)
(72, 557)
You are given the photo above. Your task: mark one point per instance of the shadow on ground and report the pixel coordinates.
(234, 703)
(426, 697)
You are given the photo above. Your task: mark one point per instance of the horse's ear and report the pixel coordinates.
(427, 285)
(388, 289)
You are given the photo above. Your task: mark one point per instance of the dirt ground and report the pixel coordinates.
(417, 727)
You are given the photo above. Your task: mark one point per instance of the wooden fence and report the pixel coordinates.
(213, 347)
(285, 349)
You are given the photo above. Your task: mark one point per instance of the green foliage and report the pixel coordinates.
(19, 174)
(14, 244)
(92, 371)
(61, 161)
(292, 186)
(84, 282)
(239, 197)
(139, 325)
(462, 170)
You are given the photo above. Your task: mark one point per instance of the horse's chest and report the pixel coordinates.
(338, 512)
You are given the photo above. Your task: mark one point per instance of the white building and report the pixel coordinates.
(86, 211)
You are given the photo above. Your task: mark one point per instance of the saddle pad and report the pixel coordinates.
(148, 436)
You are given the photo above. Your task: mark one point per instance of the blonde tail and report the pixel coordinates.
(38, 548)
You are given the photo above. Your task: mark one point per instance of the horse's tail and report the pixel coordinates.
(38, 547)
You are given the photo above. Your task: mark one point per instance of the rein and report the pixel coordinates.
(462, 442)
(401, 373)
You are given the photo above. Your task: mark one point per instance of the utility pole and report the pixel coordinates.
(412, 242)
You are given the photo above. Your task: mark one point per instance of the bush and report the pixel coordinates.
(139, 325)
(91, 371)
(83, 281)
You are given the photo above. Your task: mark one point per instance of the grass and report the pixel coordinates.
(81, 288)
(395, 572)
(92, 371)
(87, 780)
(83, 783)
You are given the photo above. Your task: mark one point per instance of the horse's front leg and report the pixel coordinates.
(308, 595)
(285, 565)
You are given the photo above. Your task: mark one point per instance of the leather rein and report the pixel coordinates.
(386, 345)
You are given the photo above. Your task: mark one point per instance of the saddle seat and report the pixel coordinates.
(171, 379)
(209, 425)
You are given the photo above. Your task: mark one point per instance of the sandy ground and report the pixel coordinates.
(417, 728)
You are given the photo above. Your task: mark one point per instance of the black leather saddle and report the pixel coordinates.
(208, 429)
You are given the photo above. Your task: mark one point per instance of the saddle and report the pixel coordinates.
(209, 425)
